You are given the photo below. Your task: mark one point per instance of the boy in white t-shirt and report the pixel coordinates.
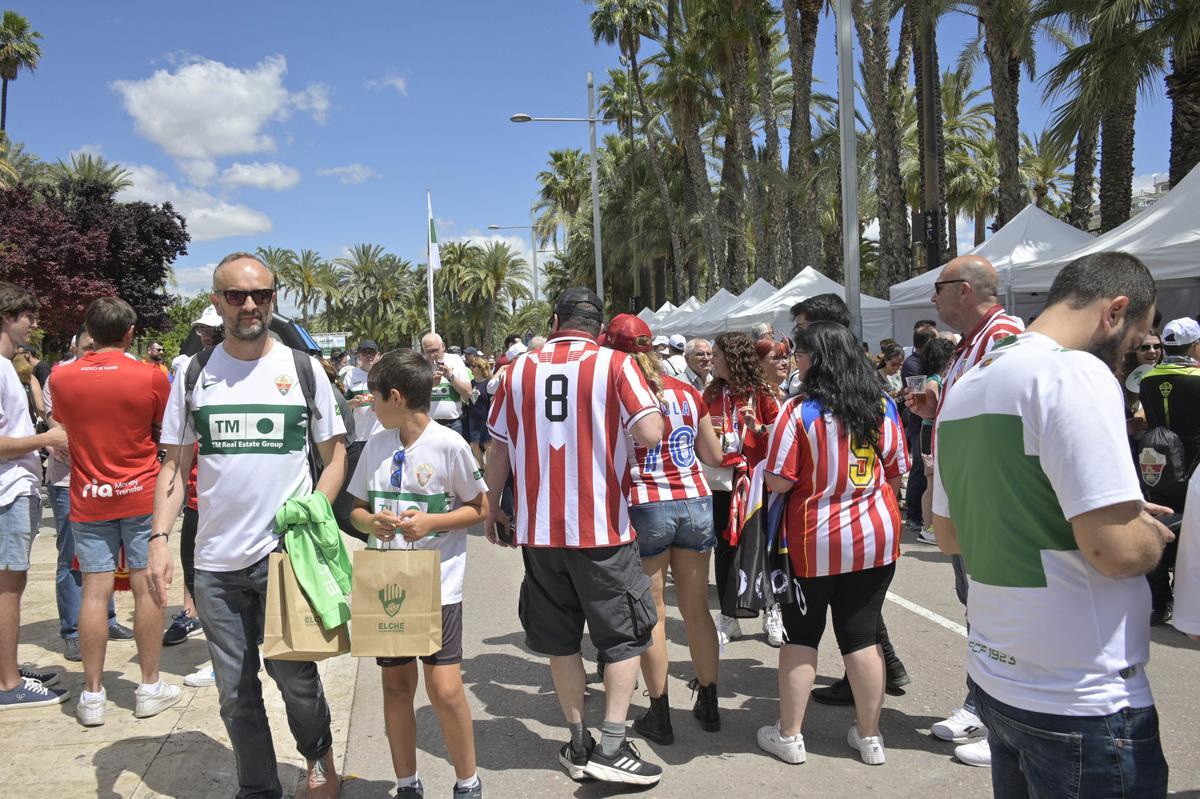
(417, 486)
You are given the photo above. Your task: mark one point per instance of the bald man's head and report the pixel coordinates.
(966, 288)
(244, 295)
(433, 347)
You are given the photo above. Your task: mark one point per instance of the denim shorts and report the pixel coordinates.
(97, 543)
(683, 523)
(19, 521)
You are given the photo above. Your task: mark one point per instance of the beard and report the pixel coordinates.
(1111, 348)
(249, 328)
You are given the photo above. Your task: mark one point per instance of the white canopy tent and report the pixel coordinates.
(711, 321)
(1030, 236)
(808, 282)
(677, 322)
(1165, 237)
(688, 306)
(652, 318)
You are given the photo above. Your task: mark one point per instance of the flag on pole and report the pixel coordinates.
(435, 261)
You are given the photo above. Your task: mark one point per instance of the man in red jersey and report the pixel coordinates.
(561, 414)
(965, 296)
(112, 408)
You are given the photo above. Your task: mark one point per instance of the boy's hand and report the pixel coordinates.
(495, 516)
(385, 523)
(415, 525)
(359, 400)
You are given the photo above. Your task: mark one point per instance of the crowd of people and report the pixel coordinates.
(612, 457)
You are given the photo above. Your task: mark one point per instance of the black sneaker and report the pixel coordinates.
(46, 678)
(475, 792)
(574, 762)
(625, 766)
(183, 626)
(1161, 615)
(837, 694)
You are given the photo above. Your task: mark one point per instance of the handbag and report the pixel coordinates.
(291, 630)
(396, 603)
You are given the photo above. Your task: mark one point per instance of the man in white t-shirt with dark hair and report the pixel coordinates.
(20, 502)
(1043, 503)
(249, 415)
(357, 394)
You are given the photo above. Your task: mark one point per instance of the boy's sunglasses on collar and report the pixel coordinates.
(397, 468)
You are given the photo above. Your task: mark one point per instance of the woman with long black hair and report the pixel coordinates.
(837, 452)
(742, 408)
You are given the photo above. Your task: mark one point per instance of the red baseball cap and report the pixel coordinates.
(627, 333)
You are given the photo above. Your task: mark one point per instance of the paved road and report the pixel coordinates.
(518, 725)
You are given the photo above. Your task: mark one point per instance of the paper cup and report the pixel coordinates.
(916, 383)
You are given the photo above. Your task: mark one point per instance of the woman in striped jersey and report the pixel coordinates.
(670, 509)
(837, 452)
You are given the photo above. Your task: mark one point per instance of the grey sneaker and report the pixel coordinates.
(31, 693)
(474, 792)
(411, 791)
(119, 632)
(149, 704)
(71, 649)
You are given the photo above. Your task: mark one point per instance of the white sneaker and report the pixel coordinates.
(961, 727)
(773, 626)
(870, 747)
(788, 749)
(201, 677)
(978, 753)
(728, 629)
(151, 704)
(926, 536)
(90, 711)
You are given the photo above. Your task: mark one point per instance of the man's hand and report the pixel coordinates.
(496, 516)
(415, 525)
(55, 438)
(161, 568)
(921, 403)
(1157, 510)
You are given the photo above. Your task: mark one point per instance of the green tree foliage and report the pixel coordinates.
(19, 50)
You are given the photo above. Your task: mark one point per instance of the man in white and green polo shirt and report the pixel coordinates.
(451, 383)
(1035, 487)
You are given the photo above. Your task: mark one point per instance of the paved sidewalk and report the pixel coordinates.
(182, 752)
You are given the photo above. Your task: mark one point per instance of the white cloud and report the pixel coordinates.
(390, 81)
(93, 150)
(1143, 182)
(191, 280)
(350, 173)
(443, 225)
(200, 171)
(205, 109)
(208, 217)
(261, 176)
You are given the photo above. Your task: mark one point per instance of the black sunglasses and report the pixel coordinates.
(937, 287)
(237, 297)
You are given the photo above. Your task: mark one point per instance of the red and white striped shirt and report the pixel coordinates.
(563, 412)
(841, 514)
(670, 469)
(995, 326)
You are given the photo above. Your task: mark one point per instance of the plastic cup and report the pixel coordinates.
(916, 383)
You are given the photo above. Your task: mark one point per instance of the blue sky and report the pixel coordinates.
(301, 126)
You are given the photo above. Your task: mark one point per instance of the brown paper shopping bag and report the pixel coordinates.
(396, 603)
(291, 631)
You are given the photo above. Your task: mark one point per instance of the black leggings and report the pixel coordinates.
(187, 548)
(856, 599)
(723, 553)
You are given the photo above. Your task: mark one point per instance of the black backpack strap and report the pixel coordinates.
(308, 383)
(191, 377)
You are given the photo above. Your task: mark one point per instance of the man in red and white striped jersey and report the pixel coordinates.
(561, 414)
(965, 296)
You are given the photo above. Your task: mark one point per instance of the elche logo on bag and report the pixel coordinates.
(391, 597)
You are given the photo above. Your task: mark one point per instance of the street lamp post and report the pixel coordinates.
(532, 246)
(591, 119)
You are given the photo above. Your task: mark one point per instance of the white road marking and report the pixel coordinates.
(936, 618)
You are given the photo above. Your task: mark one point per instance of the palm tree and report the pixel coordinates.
(279, 261)
(18, 50)
(1044, 162)
(498, 277)
(9, 176)
(801, 20)
(973, 184)
(625, 22)
(563, 187)
(331, 285)
(966, 125)
(85, 166)
(304, 280)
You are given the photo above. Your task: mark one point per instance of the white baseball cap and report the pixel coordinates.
(677, 342)
(1181, 331)
(210, 318)
(660, 341)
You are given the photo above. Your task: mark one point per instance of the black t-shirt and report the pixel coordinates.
(42, 373)
(481, 402)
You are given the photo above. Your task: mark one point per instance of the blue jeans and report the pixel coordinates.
(19, 521)
(454, 424)
(1038, 755)
(68, 582)
(683, 523)
(233, 605)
